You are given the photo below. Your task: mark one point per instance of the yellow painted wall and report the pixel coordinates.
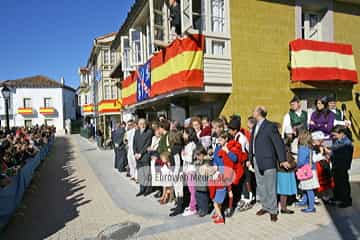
(347, 30)
(260, 33)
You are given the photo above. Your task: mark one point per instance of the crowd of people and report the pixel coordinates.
(17, 146)
(219, 167)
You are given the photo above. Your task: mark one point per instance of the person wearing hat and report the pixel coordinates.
(295, 118)
(341, 158)
(339, 115)
(234, 129)
(322, 165)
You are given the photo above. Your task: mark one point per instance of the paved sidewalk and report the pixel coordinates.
(65, 201)
(77, 193)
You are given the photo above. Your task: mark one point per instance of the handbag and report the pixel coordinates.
(305, 172)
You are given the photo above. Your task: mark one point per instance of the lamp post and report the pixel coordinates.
(6, 95)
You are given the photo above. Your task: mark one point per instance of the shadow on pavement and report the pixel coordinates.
(347, 221)
(51, 200)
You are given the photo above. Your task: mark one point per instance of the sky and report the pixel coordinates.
(54, 37)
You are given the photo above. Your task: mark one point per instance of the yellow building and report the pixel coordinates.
(260, 33)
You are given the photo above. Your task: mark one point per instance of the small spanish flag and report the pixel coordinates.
(25, 111)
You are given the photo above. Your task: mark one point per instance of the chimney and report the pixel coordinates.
(62, 81)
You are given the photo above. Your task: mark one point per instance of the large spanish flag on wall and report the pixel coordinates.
(178, 66)
(128, 90)
(322, 61)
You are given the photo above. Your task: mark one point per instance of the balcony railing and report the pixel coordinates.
(25, 111)
(322, 61)
(47, 111)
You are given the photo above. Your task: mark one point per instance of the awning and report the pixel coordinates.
(322, 61)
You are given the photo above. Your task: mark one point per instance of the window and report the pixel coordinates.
(107, 92)
(311, 26)
(47, 102)
(218, 48)
(79, 100)
(196, 14)
(86, 99)
(28, 123)
(106, 56)
(113, 57)
(125, 54)
(159, 29)
(136, 47)
(186, 16)
(217, 16)
(113, 91)
(27, 102)
(48, 122)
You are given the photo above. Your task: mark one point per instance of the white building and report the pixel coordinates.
(38, 100)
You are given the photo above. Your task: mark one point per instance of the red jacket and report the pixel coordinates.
(233, 170)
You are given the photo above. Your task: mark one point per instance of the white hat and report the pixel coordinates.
(187, 121)
(318, 135)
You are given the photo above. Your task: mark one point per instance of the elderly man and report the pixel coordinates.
(142, 141)
(266, 150)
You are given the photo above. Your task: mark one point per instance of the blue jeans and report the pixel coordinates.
(309, 199)
(202, 201)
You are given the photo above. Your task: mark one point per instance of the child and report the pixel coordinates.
(310, 184)
(187, 155)
(286, 182)
(341, 157)
(220, 189)
(205, 134)
(202, 194)
(323, 171)
(166, 178)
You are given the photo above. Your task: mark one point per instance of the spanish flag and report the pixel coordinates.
(128, 89)
(322, 61)
(110, 106)
(25, 111)
(47, 110)
(88, 108)
(178, 66)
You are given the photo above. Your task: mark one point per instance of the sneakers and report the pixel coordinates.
(228, 212)
(308, 210)
(245, 207)
(219, 220)
(240, 204)
(189, 212)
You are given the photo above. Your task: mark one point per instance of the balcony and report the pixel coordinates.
(316, 61)
(47, 111)
(110, 106)
(25, 111)
(88, 109)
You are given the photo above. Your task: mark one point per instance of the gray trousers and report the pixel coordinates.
(266, 189)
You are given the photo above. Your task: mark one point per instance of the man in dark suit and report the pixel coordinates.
(142, 141)
(266, 151)
(117, 138)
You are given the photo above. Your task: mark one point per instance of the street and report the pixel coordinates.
(77, 193)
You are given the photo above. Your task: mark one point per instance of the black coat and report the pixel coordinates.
(269, 147)
(117, 137)
(141, 143)
(342, 155)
